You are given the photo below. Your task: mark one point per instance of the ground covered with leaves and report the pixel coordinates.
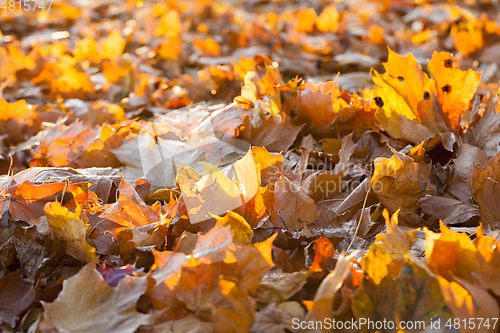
(249, 166)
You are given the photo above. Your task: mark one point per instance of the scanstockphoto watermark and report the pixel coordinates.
(434, 324)
(357, 324)
(193, 136)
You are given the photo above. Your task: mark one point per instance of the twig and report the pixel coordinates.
(360, 219)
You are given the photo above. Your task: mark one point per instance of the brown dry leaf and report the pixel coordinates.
(450, 211)
(26, 201)
(291, 206)
(468, 156)
(272, 135)
(16, 296)
(87, 301)
(253, 262)
(450, 254)
(190, 323)
(196, 286)
(486, 131)
(235, 312)
(484, 183)
(278, 318)
(324, 185)
(279, 287)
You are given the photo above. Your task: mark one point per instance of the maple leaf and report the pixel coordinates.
(450, 253)
(26, 201)
(129, 210)
(214, 193)
(484, 183)
(488, 251)
(455, 87)
(412, 295)
(466, 300)
(291, 207)
(485, 132)
(277, 318)
(450, 211)
(103, 91)
(386, 256)
(328, 20)
(399, 182)
(68, 226)
(59, 145)
(274, 136)
(211, 193)
(79, 308)
(404, 96)
(322, 307)
(279, 287)
(113, 45)
(240, 230)
(16, 296)
(318, 101)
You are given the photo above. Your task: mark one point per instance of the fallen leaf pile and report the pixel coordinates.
(249, 166)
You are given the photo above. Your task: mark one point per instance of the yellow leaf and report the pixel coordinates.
(455, 87)
(488, 250)
(450, 253)
(71, 229)
(386, 256)
(399, 183)
(468, 302)
(113, 45)
(240, 230)
(247, 174)
(306, 19)
(328, 20)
